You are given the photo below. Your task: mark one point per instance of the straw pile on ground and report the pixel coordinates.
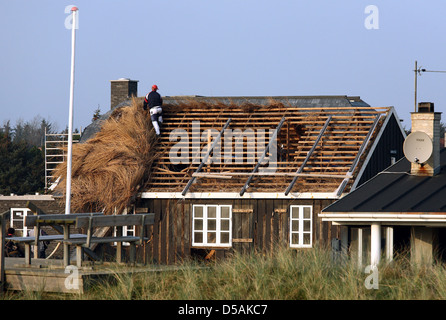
(109, 169)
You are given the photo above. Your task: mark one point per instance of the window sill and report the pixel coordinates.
(301, 247)
(211, 247)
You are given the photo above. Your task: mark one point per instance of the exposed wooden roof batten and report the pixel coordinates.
(341, 146)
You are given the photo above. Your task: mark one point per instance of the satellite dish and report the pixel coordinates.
(418, 147)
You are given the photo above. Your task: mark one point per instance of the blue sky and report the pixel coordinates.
(218, 48)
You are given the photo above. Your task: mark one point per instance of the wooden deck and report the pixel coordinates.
(49, 275)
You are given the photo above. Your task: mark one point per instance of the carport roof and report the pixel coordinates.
(396, 190)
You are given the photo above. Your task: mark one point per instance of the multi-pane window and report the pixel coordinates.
(17, 221)
(211, 225)
(301, 226)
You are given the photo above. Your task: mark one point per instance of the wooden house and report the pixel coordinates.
(400, 210)
(251, 173)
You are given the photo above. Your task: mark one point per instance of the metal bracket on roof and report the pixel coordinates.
(358, 156)
(301, 168)
(271, 141)
(191, 181)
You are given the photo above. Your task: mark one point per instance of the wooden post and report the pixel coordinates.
(422, 245)
(79, 253)
(36, 241)
(132, 252)
(119, 245)
(344, 241)
(27, 254)
(66, 247)
(89, 232)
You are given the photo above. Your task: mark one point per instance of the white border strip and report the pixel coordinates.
(383, 217)
(236, 195)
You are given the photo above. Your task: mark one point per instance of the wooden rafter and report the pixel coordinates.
(344, 182)
(321, 133)
(267, 149)
(332, 159)
(205, 159)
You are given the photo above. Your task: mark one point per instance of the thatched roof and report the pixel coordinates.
(109, 169)
(120, 155)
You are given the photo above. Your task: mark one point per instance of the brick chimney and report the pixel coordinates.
(427, 121)
(121, 90)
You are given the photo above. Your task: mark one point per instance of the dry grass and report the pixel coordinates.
(246, 107)
(286, 274)
(108, 170)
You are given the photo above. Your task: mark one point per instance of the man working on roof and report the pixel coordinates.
(154, 101)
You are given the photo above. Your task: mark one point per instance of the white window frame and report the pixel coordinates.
(218, 228)
(301, 223)
(23, 214)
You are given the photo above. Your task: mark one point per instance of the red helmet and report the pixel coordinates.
(154, 87)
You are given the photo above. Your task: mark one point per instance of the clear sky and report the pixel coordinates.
(219, 48)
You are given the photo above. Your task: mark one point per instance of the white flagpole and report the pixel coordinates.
(70, 120)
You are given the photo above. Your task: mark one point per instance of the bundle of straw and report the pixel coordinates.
(109, 169)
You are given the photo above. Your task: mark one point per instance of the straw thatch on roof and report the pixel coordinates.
(108, 170)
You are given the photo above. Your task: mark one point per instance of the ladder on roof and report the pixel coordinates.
(272, 141)
(301, 168)
(205, 159)
(55, 153)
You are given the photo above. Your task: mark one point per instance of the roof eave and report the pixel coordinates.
(236, 195)
(401, 218)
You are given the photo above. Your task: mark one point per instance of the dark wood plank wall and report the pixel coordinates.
(391, 140)
(257, 224)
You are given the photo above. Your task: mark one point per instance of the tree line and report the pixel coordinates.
(22, 155)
